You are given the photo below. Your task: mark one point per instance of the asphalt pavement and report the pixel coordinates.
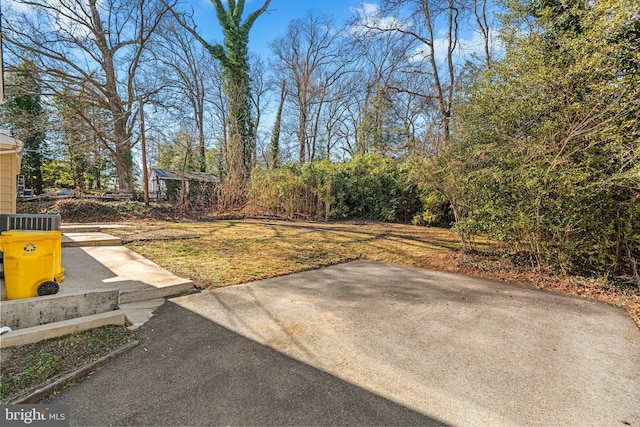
(367, 343)
(190, 371)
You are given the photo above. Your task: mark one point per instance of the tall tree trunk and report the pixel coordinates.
(302, 134)
(201, 138)
(143, 146)
(274, 147)
(123, 158)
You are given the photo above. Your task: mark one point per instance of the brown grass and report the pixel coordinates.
(229, 252)
(221, 253)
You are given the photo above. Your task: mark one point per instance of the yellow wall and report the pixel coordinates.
(8, 172)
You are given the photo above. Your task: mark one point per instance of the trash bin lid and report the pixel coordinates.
(18, 235)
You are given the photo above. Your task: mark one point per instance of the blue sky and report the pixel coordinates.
(274, 23)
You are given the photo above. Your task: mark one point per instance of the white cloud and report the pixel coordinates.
(467, 47)
(368, 9)
(369, 18)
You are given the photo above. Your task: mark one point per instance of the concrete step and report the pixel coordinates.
(80, 228)
(83, 239)
(90, 228)
(118, 267)
(58, 329)
(137, 305)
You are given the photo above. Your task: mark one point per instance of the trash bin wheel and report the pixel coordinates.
(48, 288)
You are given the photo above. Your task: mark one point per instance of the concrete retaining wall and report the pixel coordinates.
(25, 313)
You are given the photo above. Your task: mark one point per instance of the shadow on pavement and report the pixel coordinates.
(191, 371)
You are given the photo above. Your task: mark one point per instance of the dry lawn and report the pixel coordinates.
(228, 252)
(221, 253)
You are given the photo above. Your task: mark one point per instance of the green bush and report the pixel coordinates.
(368, 187)
(548, 141)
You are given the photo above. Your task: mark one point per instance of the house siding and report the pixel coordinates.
(8, 173)
(9, 170)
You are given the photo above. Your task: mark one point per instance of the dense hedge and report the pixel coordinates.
(548, 140)
(368, 187)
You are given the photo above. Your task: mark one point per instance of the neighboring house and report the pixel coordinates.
(10, 158)
(164, 183)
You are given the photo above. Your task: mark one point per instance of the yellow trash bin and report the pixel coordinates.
(32, 262)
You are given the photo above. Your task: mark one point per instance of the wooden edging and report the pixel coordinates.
(46, 390)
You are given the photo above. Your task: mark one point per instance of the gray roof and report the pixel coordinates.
(179, 176)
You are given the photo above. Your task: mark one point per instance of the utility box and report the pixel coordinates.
(32, 263)
(36, 222)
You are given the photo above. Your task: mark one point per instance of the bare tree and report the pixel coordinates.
(93, 50)
(187, 77)
(349, 125)
(413, 109)
(217, 118)
(484, 28)
(335, 117)
(311, 59)
(261, 85)
(431, 26)
(384, 58)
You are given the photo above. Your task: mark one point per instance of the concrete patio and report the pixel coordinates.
(105, 283)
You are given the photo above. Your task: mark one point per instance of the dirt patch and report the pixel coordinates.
(80, 211)
(29, 367)
(497, 265)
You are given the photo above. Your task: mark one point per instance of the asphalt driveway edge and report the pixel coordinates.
(48, 389)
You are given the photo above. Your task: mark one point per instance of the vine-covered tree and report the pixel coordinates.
(233, 55)
(274, 142)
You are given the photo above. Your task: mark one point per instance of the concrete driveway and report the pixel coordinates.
(371, 343)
